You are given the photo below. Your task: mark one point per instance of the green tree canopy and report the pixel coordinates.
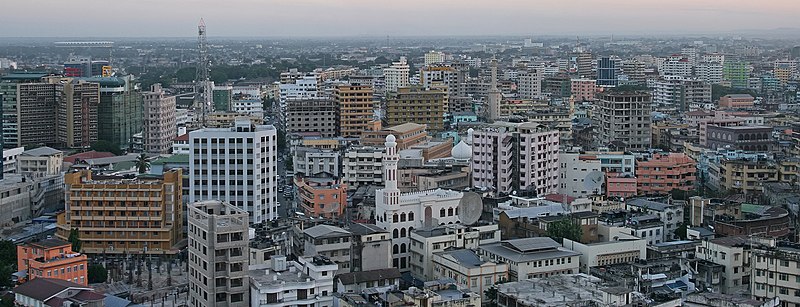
(106, 146)
(74, 238)
(97, 274)
(564, 228)
(142, 164)
(8, 262)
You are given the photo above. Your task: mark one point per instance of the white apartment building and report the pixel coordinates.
(310, 161)
(426, 242)
(535, 257)
(159, 121)
(218, 254)
(397, 75)
(237, 165)
(734, 254)
(576, 175)
(776, 273)
(671, 214)
(305, 282)
(709, 72)
(331, 242)
(301, 88)
(362, 165)
(530, 84)
(254, 107)
(401, 213)
(10, 158)
(434, 57)
(676, 65)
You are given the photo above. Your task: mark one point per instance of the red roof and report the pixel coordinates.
(182, 137)
(88, 155)
(559, 198)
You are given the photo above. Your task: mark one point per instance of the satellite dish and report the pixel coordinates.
(593, 181)
(470, 208)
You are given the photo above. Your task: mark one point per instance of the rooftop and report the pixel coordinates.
(528, 249)
(368, 276)
(365, 229)
(41, 151)
(50, 243)
(326, 231)
(43, 289)
(465, 257)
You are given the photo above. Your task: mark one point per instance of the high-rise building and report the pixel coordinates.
(679, 93)
(222, 96)
(785, 70)
(634, 71)
(583, 89)
(237, 165)
(447, 75)
(116, 215)
(511, 157)
(356, 109)
(306, 87)
(313, 116)
(218, 254)
(583, 63)
(434, 57)
(397, 75)
(530, 84)
(8, 92)
(736, 72)
(159, 126)
(607, 71)
(623, 120)
(709, 72)
(494, 96)
(120, 111)
(417, 105)
(76, 114)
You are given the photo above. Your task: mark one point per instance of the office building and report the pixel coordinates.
(583, 63)
(530, 84)
(222, 96)
(709, 72)
(218, 254)
(397, 75)
(416, 105)
(116, 215)
(120, 111)
(633, 70)
(313, 116)
(510, 157)
(52, 258)
(237, 165)
(607, 70)
(434, 57)
(76, 112)
(356, 109)
(623, 120)
(159, 125)
(9, 85)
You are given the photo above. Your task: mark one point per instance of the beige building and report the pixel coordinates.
(734, 254)
(356, 109)
(417, 105)
(40, 162)
(469, 270)
(159, 121)
(76, 114)
(426, 242)
(218, 255)
(775, 273)
(312, 116)
(535, 257)
(119, 215)
(627, 249)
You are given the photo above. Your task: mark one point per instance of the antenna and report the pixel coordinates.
(470, 208)
(202, 96)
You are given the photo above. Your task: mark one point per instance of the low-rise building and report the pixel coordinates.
(625, 249)
(381, 281)
(42, 161)
(330, 242)
(52, 258)
(372, 247)
(310, 161)
(321, 195)
(440, 294)
(532, 257)
(562, 291)
(775, 272)
(426, 242)
(671, 212)
(307, 281)
(666, 172)
(56, 292)
(469, 270)
(733, 253)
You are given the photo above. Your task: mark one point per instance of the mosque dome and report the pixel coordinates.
(461, 151)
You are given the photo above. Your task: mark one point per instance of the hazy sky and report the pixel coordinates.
(178, 18)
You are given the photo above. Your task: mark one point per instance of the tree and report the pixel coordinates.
(680, 232)
(281, 140)
(97, 274)
(8, 262)
(289, 164)
(106, 146)
(74, 238)
(564, 228)
(142, 164)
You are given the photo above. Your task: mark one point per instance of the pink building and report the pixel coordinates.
(666, 172)
(620, 186)
(583, 89)
(496, 166)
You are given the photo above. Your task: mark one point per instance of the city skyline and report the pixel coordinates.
(312, 18)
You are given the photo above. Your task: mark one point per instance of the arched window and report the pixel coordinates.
(394, 218)
(402, 232)
(395, 234)
(450, 212)
(402, 248)
(396, 249)
(403, 217)
(442, 212)
(411, 216)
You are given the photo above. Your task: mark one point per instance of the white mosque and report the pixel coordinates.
(401, 213)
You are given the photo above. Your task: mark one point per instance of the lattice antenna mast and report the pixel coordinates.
(203, 81)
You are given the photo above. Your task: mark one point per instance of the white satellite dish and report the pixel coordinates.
(470, 208)
(593, 181)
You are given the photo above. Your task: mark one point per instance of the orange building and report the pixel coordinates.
(666, 172)
(733, 101)
(52, 258)
(322, 195)
(620, 186)
(407, 134)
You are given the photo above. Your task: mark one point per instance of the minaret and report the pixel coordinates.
(494, 95)
(391, 194)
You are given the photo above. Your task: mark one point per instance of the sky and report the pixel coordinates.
(280, 18)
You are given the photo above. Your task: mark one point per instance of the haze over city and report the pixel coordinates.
(256, 18)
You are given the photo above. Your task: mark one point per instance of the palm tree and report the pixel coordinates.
(142, 164)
